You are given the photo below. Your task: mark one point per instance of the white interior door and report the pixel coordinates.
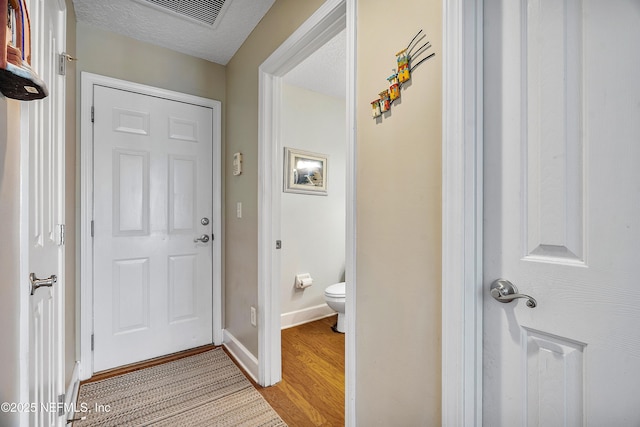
(562, 212)
(46, 219)
(152, 199)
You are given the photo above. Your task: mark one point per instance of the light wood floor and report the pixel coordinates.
(311, 392)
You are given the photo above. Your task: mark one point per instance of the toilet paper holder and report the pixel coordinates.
(303, 280)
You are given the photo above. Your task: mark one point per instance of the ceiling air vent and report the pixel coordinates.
(205, 12)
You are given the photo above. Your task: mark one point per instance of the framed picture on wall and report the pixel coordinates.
(305, 172)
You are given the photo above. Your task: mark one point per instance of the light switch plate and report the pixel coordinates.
(254, 320)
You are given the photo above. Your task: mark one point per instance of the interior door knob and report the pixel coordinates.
(505, 291)
(38, 283)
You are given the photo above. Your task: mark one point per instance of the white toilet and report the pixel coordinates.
(334, 295)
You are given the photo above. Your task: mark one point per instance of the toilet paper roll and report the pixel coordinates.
(303, 280)
(305, 283)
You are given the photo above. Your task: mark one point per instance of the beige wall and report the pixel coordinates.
(241, 235)
(11, 283)
(109, 54)
(398, 222)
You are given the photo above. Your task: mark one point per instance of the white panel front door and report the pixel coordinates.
(562, 212)
(46, 219)
(152, 190)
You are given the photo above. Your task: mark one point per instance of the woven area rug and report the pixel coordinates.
(207, 389)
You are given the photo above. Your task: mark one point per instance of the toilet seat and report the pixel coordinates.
(336, 291)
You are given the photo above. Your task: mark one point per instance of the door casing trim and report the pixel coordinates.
(326, 22)
(84, 285)
(462, 211)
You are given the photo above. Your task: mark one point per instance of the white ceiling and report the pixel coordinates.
(324, 71)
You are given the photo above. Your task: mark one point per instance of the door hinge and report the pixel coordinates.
(92, 343)
(61, 402)
(91, 228)
(92, 114)
(62, 235)
(62, 64)
(63, 58)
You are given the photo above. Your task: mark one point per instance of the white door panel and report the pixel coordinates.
(152, 187)
(562, 217)
(46, 219)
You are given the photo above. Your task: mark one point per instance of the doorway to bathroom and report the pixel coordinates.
(312, 148)
(331, 19)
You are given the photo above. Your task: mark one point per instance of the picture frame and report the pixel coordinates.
(305, 172)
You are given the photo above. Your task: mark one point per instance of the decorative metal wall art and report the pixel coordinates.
(405, 60)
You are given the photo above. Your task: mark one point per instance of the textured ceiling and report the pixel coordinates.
(217, 43)
(325, 71)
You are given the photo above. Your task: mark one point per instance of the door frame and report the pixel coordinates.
(331, 18)
(84, 286)
(462, 213)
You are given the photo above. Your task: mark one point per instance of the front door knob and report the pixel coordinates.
(204, 238)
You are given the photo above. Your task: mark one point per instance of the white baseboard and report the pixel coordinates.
(71, 396)
(242, 355)
(299, 317)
